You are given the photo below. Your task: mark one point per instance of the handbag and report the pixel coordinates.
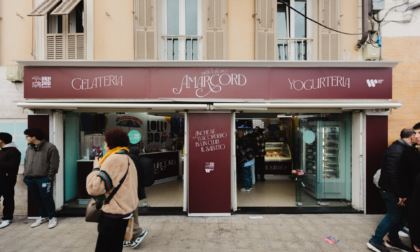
(93, 210)
(94, 206)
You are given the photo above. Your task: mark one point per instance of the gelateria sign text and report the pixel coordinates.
(97, 82)
(210, 81)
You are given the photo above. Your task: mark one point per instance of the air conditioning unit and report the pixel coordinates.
(371, 52)
(14, 73)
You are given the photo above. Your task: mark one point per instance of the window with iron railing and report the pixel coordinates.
(183, 27)
(292, 41)
(293, 48)
(185, 45)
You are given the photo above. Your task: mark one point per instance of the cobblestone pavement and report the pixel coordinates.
(303, 232)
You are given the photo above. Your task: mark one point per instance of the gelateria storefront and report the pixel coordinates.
(320, 121)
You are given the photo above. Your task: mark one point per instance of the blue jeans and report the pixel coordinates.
(246, 175)
(41, 190)
(392, 222)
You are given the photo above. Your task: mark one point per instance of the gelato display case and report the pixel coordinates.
(278, 158)
(277, 151)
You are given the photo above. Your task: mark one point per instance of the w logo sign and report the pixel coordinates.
(373, 82)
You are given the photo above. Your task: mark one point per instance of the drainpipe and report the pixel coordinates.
(365, 31)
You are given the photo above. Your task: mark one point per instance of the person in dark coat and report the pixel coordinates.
(138, 233)
(9, 167)
(414, 216)
(391, 192)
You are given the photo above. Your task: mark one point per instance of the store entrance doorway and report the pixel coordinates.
(271, 185)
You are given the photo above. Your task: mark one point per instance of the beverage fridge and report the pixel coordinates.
(323, 158)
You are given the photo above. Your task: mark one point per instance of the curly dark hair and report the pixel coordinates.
(116, 138)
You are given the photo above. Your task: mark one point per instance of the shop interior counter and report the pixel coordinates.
(278, 159)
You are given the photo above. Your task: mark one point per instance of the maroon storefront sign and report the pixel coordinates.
(207, 83)
(209, 163)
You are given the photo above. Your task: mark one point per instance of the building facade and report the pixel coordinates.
(159, 67)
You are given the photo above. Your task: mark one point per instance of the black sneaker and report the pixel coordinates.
(397, 245)
(377, 247)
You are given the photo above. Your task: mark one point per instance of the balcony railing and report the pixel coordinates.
(293, 48)
(182, 47)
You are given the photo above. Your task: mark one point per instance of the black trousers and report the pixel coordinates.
(110, 234)
(259, 168)
(7, 191)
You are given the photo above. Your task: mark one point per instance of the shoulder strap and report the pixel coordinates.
(107, 200)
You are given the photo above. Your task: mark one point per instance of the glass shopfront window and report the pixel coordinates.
(159, 137)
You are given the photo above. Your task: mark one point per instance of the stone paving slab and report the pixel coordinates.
(304, 232)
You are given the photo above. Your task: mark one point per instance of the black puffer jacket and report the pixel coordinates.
(410, 167)
(391, 164)
(9, 161)
(134, 155)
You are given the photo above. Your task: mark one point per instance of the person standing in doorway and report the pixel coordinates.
(390, 191)
(258, 143)
(9, 167)
(40, 166)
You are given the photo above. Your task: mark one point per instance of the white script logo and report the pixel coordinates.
(41, 82)
(210, 81)
(373, 82)
(209, 167)
(322, 82)
(97, 82)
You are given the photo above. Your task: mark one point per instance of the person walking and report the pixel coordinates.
(9, 167)
(40, 166)
(390, 191)
(138, 233)
(114, 171)
(413, 215)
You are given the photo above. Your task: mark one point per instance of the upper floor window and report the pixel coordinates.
(180, 29)
(284, 34)
(292, 41)
(181, 33)
(65, 36)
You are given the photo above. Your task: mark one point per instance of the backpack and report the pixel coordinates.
(147, 171)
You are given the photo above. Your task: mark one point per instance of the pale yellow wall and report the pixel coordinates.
(15, 31)
(405, 82)
(240, 30)
(114, 39)
(349, 24)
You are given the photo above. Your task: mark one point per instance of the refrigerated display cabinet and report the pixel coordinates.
(323, 160)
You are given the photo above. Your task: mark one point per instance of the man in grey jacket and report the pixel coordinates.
(40, 167)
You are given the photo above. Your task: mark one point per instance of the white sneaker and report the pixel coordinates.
(38, 222)
(403, 234)
(52, 223)
(5, 223)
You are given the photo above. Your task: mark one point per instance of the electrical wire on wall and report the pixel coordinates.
(316, 22)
